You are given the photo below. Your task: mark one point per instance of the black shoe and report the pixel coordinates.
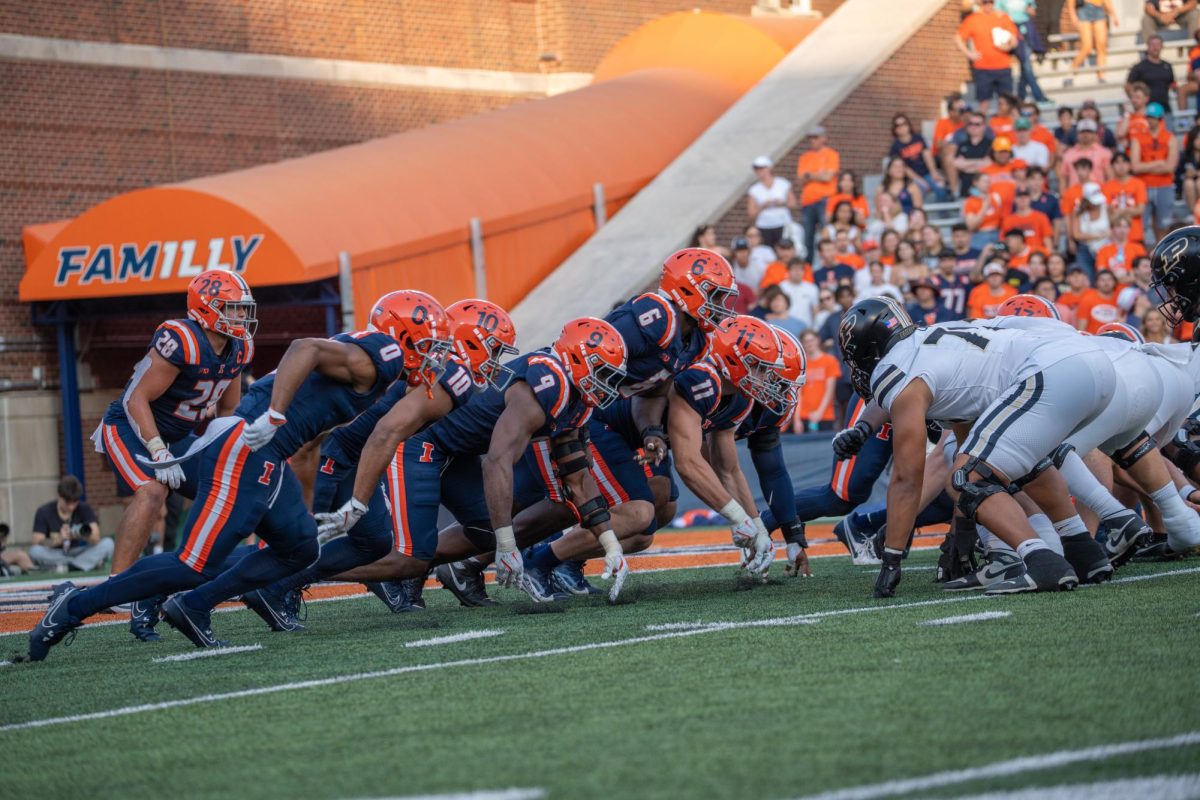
(195, 625)
(416, 591)
(1087, 557)
(395, 595)
(1045, 571)
(274, 609)
(143, 616)
(1157, 549)
(56, 623)
(1001, 565)
(1127, 533)
(464, 579)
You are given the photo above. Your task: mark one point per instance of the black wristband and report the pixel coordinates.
(793, 533)
(657, 431)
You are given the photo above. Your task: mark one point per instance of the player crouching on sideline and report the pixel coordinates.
(551, 396)
(483, 336)
(246, 485)
(191, 373)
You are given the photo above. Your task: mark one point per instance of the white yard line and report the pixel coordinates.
(1160, 787)
(982, 615)
(802, 619)
(209, 651)
(458, 637)
(1001, 769)
(497, 794)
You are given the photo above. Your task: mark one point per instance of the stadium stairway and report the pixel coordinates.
(711, 174)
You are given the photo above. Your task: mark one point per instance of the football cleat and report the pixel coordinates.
(862, 552)
(275, 609)
(568, 578)
(464, 579)
(1156, 548)
(396, 595)
(1087, 558)
(536, 583)
(56, 623)
(416, 591)
(195, 625)
(1045, 571)
(1127, 532)
(143, 616)
(1001, 565)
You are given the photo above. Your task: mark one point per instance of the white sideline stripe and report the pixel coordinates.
(501, 794)
(802, 619)
(1160, 787)
(209, 651)
(1000, 769)
(458, 637)
(982, 615)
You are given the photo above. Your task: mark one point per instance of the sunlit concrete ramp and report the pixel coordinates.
(713, 172)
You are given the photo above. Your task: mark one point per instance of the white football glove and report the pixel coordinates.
(764, 550)
(744, 534)
(615, 565)
(171, 476)
(510, 567)
(332, 524)
(256, 434)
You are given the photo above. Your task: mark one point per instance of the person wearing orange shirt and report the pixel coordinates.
(849, 191)
(1003, 120)
(1036, 226)
(1037, 131)
(1018, 252)
(817, 173)
(1126, 197)
(1098, 305)
(1077, 286)
(820, 381)
(777, 270)
(1155, 154)
(987, 39)
(1119, 254)
(982, 212)
(1133, 121)
(947, 126)
(1071, 197)
(1191, 83)
(984, 300)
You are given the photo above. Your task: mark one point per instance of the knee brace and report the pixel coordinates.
(1059, 456)
(1133, 452)
(594, 512)
(971, 494)
(480, 535)
(762, 441)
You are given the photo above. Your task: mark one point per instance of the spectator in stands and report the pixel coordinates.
(816, 397)
(908, 266)
(1056, 270)
(843, 297)
(12, 561)
(1098, 305)
(1069, 202)
(1188, 171)
(1040, 199)
(1090, 226)
(849, 190)
(1037, 131)
(965, 253)
(761, 255)
(931, 245)
(1033, 224)
(927, 308)
(777, 270)
(827, 306)
(952, 285)
(987, 39)
(889, 244)
(846, 251)
(744, 271)
(1154, 328)
(1035, 154)
(1126, 197)
(1002, 121)
(873, 282)
(66, 532)
(1064, 132)
(1018, 253)
(1118, 255)
(1133, 120)
(1091, 18)
(1140, 275)
(1036, 266)
(984, 300)
(1078, 283)
(1019, 11)
(769, 202)
(828, 272)
(1192, 84)
(888, 217)
(1088, 147)
(817, 172)
(1162, 14)
(842, 219)
(909, 146)
(802, 293)
(774, 306)
(1046, 288)
(1152, 70)
(900, 186)
(969, 152)
(1154, 155)
(982, 212)
(706, 237)
(1003, 172)
(947, 126)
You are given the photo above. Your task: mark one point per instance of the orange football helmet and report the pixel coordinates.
(1027, 305)
(418, 324)
(221, 302)
(701, 284)
(749, 353)
(484, 336)
(792, 376)
(1120, 330)
(594, 354)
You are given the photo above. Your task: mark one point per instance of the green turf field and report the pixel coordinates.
(790, 707)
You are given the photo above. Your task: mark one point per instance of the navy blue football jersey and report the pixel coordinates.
(346, 443)
(654, 342)
(760, 419)
(202, 380)
(468, 430)
(322, 403)
(700, 387)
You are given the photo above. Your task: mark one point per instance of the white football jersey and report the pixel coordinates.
(966, 367)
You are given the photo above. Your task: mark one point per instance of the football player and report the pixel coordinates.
(245, 484)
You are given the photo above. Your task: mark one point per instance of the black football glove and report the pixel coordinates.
(848, 442)
(889, 574)
(957, 558)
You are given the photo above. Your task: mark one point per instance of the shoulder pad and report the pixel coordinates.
(177, 343)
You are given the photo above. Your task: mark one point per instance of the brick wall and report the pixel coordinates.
(914, 80)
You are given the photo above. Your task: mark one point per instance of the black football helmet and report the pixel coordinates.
(1175, 281)
(867, 331)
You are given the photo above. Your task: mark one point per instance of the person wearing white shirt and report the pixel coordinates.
(1035, 154)
(769, 202)
(802, 293)
(744, 270)
(761, 256)
(876, 283)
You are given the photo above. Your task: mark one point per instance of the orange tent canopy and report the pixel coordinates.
(401, 205)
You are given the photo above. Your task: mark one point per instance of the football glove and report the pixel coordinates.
(510, 567)
(847, 443)
(889, 573)
(332, 524)
(171, 476)
(615, 564)
(957, 557)
(763, 550)
(744, 533)
(797, 561)
(256, 434)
